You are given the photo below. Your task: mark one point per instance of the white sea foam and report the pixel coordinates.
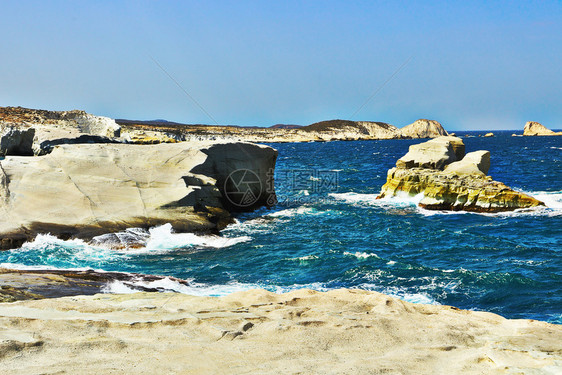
(426, 212)
(198, 289)
(320, 287)
(52, 246)
(23, 267)
(118, 287)
(42, 240)
(304, 258)
(252, 226)
(402, 200)
(524, 262)
(420, 297)
(290, 212)
(552, 200)
(164, 284)
(157, 239)
(360, 255)
(163, 238)
(355, 197)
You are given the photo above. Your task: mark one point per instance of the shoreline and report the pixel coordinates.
(42, 284)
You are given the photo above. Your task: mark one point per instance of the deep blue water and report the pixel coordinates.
(328, 231)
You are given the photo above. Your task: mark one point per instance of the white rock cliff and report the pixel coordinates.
(90, 189)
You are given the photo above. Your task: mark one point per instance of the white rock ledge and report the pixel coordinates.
(86, 190)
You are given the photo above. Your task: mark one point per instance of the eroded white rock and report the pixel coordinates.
(433, 154)
(85, 190)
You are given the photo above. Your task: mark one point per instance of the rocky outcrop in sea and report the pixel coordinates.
(535, 128)
(449, 179)
(423, 128)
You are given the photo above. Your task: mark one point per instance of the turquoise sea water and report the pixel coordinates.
(328, 231)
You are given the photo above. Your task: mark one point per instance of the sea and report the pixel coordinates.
(329, 231)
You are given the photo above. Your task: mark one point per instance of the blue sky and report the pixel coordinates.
(474, 65)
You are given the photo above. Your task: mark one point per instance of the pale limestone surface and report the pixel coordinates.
(433, 154)
(55, 127)
(86, 190)
(476, 162)
(258, 332)
(98, 125)
(356, 130)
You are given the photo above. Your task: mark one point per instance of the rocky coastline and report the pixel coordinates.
(35, 284)
(112, 187)
(117, 175)
(324, 131)
(449, 179)
(82, 161)
(31, 131)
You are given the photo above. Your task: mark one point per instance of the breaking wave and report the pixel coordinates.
(163, 238)
(48, 251)
(552, 200)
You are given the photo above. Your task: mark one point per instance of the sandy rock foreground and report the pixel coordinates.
(257, 332)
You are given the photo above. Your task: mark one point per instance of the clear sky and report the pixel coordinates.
(474, 65)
